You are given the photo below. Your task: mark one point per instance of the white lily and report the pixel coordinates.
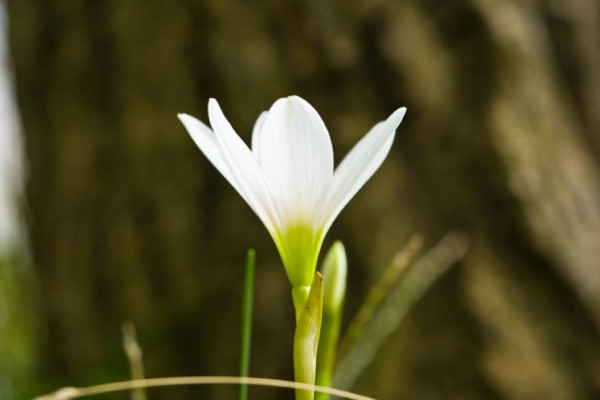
(287, 177)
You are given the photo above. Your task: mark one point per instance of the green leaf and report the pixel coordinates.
(247, 300)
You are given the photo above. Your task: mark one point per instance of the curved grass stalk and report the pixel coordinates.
(69, 393)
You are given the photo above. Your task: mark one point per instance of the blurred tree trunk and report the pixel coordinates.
(501, 140)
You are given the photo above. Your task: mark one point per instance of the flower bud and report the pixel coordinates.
(334, 279)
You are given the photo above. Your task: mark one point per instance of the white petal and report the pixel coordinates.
(296, 156)
(359, 165)
(260, 121)
(243, 167)
(206, 140)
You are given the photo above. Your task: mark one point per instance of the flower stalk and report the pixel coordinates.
(299, 297)
(306, 338)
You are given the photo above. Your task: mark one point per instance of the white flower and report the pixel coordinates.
(287, 177)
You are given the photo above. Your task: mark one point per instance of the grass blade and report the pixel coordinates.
(247, 300)
(401, 298)
(379, 292)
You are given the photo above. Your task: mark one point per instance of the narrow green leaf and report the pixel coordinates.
(401, 297)
(390, 278)
(247, 300)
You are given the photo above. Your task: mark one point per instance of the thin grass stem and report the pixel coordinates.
(69, 393)
(133, 350)
(246, 336)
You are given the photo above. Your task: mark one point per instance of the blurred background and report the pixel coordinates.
(110, 214)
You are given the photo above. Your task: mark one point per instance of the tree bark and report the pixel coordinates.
(128, 221)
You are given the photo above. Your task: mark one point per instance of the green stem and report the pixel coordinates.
(306, 338)
(247, 299)
(299, 296)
